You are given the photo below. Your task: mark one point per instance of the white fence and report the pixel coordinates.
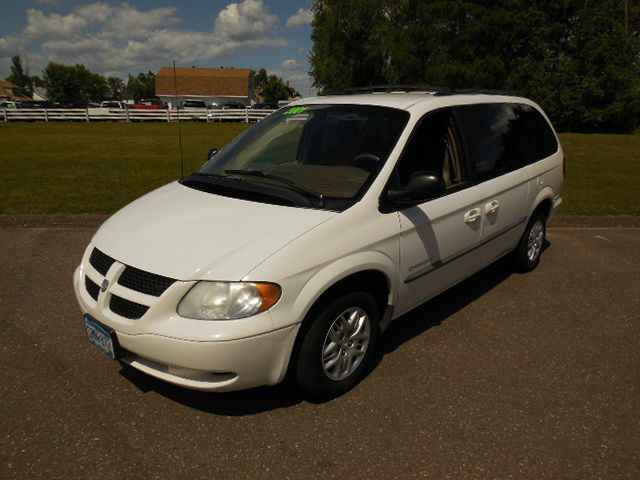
(130, 115)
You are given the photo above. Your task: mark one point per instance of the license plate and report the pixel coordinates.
(101, 337)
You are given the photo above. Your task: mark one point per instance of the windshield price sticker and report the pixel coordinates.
(295, 110)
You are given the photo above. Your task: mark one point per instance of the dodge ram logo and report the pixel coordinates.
(105, 285)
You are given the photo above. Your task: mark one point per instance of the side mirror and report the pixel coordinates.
(422, 186)
(212, 153)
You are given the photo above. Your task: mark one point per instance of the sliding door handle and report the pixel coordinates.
(491, 207)
(472, 215)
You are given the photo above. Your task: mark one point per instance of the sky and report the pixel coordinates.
(118, 38)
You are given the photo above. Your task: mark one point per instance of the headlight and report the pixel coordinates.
(228, 300)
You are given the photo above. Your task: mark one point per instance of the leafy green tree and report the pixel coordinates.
(579, 59)
(73, 82)
(19, 78)
(116, 87)
(271, 88)
(142, 85)
(347, 48)
(260, 78)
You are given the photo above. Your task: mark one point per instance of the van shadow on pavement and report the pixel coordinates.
(403, 329)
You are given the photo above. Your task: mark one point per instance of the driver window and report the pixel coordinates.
(434, 147)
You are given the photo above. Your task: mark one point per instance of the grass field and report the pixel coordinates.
(99, 167)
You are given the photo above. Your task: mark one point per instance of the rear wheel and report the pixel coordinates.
(338, 345)
(527, 254)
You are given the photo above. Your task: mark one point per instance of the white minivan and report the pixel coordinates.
(291, 249)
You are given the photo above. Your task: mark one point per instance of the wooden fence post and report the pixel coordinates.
(86, 113)
(126, 110)
(246, 115)
(168, 116)
(4, 114)
(46, 115)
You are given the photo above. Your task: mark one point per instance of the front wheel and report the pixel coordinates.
(338, 345)
(527, 254)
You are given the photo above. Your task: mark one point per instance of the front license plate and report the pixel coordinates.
(99, 336)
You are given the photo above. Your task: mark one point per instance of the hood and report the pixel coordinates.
(187, 234)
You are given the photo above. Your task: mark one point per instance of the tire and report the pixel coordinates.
(347, 328)
(526, 256)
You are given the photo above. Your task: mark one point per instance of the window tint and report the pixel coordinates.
(434, 147)
(493, 138)
(541, 142)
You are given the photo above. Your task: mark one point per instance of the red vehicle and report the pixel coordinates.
(150, 104)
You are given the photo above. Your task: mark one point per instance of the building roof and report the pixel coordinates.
(231, 82)
(6, 88)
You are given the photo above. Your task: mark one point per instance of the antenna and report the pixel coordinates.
(175, 91)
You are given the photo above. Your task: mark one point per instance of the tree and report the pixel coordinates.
(271, 88)
(116, 87)
(19, 78)
(347, 48)
(580, 60)
(260, 78)
(142, 85)
(73, 82)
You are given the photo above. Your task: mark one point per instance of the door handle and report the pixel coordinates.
(472, 215)
(491, 207)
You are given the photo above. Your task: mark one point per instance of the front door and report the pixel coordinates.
(438, 237)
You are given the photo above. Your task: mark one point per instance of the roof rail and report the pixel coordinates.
(433, 90)
(474, 91)
(390, 88)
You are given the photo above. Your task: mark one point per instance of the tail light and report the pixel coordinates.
(564, 167)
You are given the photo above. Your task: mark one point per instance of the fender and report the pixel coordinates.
(544, 194)
(342, 268)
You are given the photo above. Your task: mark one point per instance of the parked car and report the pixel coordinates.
(216, 106)
(292, 249)
(74, 103)
(193, 104)
(150, 104)
(9, 105)
(37, 104)
(235, 106)
(114, 105)
(259, 106)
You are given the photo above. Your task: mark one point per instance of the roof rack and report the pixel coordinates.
(474, 91)
(390, 88)
(430, 89)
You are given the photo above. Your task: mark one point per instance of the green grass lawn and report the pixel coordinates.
(99, 167)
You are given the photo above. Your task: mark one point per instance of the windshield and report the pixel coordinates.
(333, 151)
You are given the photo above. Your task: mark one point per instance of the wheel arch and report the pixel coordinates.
(543, 202)
(367, 269)
(374, 277)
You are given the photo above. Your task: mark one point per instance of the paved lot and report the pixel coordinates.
(505, 376)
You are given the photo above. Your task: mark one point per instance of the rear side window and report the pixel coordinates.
(540, 140)
(493, 138)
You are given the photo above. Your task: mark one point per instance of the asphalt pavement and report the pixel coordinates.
(505, 376)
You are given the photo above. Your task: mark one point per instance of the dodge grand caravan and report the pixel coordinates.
(294, 247)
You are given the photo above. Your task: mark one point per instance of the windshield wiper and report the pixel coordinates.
(217, 175)
(289, 183)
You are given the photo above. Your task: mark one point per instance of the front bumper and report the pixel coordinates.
(197, 354)
(212, 366)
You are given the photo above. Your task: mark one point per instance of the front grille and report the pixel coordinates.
(126, 308)
(144, 282)
(92, 288)
(100, 261)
